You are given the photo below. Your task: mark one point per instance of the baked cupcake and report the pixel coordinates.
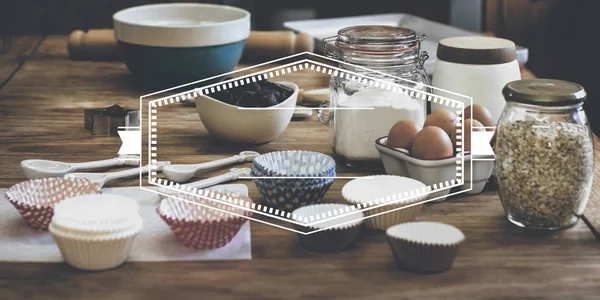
(424, 247)
(337, 226)
(95, 232)
(386, 200)
(204, 221)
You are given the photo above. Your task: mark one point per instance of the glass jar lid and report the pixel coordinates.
(377, 38)
(376, 46)
(544, 92)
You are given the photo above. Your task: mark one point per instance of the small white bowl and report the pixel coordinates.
(399, 162)
(250, 125)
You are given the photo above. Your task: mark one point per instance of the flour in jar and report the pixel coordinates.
(357, 129)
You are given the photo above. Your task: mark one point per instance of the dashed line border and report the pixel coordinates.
(290, 68)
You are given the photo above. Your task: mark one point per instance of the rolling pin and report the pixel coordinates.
(313, 98)
(100, 44)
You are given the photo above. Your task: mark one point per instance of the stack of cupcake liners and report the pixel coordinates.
(95, 232)
(204, 221)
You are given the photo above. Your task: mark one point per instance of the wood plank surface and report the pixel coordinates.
(42, 109)
(14, 50)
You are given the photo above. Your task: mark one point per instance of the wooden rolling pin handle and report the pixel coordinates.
(276, 44)
(94, 44)
(101, 44)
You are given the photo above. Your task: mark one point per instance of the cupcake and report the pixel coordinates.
(424, 247)
(95, 232)
(35, 199)
(204, 221)
(338, 229)
(386, 199)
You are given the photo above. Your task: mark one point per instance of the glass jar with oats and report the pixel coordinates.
(544, 154)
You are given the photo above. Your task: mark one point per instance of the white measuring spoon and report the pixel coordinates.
(103, 178)
(41, 168)
(183, 173)
(233, 174)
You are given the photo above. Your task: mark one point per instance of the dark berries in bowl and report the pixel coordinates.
(255, 94)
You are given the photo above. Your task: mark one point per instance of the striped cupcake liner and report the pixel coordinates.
(203, 224)
(35, 199)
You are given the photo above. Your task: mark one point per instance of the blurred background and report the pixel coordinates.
(560, 34)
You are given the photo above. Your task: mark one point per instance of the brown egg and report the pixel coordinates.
(443, 119)
(432, 143)
(481, 114)
(469, 123)
(402, 134)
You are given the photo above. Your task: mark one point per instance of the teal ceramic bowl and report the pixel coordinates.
(181, 42)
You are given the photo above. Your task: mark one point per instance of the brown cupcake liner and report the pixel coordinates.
(329, 240)
(423, 256)
(334, 239)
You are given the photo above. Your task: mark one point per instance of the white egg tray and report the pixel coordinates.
(399, 162)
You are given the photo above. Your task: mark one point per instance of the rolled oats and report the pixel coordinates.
(544, 171)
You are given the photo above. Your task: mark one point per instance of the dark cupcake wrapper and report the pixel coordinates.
(423, 258)
(289, 199)
(329, 240)
(261, 164)
(332, 239)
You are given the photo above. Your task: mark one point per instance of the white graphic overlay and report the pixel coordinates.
(295, 63)
(132, 142)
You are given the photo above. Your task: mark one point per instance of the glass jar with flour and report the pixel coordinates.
(380, 71)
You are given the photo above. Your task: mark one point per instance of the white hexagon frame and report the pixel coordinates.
(324, 65)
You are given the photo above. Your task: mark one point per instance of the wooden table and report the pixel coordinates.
(41, 108)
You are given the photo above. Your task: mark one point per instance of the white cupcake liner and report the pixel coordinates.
(338, 233)
(97, 253)
(104, 233)
(95, 232)
(424, 247)
(389, 219)
(381, 196)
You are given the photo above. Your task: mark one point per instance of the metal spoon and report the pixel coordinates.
(183, 173)
(233, 174)
(103, 178)
(40, 168)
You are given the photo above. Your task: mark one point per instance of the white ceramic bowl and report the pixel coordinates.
(247, 126)
(399, 162)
